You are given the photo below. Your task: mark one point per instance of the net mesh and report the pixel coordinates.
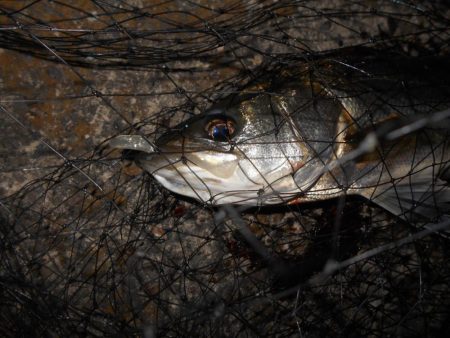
(92, 245)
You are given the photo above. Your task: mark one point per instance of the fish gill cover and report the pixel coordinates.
(93, 245)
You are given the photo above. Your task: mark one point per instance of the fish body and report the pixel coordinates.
(314, 132)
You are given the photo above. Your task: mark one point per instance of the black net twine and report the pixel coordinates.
(92, 245)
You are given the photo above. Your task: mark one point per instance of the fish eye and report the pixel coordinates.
(220, 129)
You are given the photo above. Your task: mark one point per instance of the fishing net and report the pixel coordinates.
(92, 245)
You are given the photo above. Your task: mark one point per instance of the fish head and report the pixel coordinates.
(246, 149)
(231, 153)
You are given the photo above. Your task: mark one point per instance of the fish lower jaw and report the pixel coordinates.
(206, 194)
(212, 193)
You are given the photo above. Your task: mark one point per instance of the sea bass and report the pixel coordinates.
(333, 126)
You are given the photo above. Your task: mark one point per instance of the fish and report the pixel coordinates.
(376, 126)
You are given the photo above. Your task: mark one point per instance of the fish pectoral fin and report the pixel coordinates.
(132, 142)
(355, 134)
(419, 196)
